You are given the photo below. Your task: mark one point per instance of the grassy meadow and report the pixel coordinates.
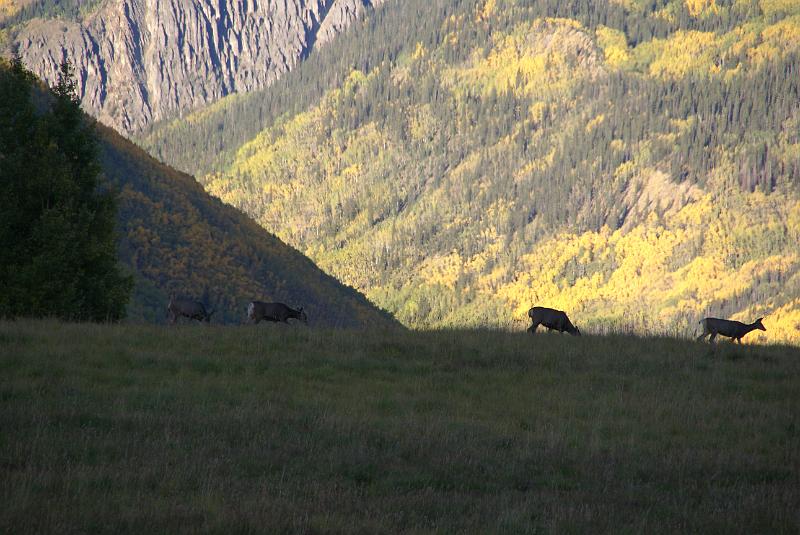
(130, 428)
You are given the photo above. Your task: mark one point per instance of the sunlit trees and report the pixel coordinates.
(561, 151)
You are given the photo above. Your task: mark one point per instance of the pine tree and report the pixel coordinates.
(58, 241)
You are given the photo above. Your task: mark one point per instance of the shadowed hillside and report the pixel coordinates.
(175, 237)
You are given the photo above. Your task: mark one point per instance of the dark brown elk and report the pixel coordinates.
(188, 308)
(554, 320)
(732, 329)
(275, 312)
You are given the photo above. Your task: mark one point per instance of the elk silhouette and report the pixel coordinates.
(275, 312)
(732, 329)
(188, 308)
(553, 320)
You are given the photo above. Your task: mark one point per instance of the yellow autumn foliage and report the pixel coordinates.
(695, 52)
(683, 53)
(772, 7)
(487, 9)
(524, 61)
(9, 8)
(614, 45)
(698, 8)
(776, 39)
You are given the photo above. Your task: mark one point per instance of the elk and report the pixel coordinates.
(732, 329)
(274, 312)
(554, 320)
(194, 310)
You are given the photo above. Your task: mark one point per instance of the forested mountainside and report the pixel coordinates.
(174, 237)
(139, 61)
(636, 163)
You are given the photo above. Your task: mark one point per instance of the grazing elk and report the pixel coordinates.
(554, 320)
(732, 329)
(275, 312)
(194, 310)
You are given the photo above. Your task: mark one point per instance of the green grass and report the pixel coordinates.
(251, 429)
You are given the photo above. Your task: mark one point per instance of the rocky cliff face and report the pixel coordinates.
(139, 61)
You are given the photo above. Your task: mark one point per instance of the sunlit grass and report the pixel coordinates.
(269, 428)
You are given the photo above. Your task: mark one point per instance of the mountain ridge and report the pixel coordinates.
(139, 62)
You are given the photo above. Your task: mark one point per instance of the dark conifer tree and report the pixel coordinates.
(58, 233)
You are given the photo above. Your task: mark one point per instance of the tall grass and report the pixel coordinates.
(274, 429)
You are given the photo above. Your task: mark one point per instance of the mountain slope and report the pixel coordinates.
(635, 163)
(174, 237)
(139, 62)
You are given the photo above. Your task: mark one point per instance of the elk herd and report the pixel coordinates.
(256, 311)
(549, 318)
(557, 320)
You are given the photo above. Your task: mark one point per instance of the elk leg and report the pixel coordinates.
(532, 328)
(702, 336)
(713, 335)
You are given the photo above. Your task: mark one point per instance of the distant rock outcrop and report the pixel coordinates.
(140, 61)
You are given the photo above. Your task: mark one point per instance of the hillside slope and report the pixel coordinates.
(139, 62)
(175, 237)
(635, 163)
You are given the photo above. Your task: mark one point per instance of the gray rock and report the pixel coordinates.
(140, 61)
